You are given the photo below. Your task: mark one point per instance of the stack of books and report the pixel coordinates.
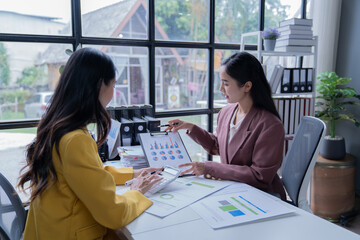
(133, 156)
(296, 35)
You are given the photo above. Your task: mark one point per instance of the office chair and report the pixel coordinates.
(300, 160)
(12, 211)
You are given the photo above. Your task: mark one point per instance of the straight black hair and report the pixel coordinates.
(244, 67)
(75, 104)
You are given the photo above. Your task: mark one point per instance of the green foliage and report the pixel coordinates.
(275, 12)
(21, 130)
(9, 115)
(335, 94)
(9, 96)
(188, 20)
(183, 20)
(31, 76)
(4, 67)
(234, 18)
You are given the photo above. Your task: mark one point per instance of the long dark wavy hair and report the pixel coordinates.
(75, 104)
(244, 67)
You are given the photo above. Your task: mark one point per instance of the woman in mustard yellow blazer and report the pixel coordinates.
(72, 195)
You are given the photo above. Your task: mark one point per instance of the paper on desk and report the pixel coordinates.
(133, 156)
(229, 208)
(122, 189)
(181, 193)
(115, 164)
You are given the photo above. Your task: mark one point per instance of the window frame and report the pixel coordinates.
(77, 39)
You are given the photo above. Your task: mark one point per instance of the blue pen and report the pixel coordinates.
(128, 183)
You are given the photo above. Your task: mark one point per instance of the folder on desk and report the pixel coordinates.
(152, 124)
(115, 112)
(126, 131)
(139, 127)
(111, 111)
(148, 110)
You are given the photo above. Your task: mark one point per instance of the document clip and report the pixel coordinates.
(153, 134)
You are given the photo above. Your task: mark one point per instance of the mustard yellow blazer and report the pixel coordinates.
(82, 203)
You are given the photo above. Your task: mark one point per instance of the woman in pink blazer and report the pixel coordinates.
(249, 137)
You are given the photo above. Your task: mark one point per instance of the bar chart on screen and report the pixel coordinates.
(236, 208)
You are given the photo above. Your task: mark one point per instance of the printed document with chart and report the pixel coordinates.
(181, 193)
(236, 204)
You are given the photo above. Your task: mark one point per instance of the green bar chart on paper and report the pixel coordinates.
(226, 206)
(201, 184)
(235, 208)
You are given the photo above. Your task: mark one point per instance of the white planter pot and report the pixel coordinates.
(269, 44)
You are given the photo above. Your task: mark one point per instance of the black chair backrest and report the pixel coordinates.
(12, 212)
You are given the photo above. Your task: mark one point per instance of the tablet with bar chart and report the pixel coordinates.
(164, 148)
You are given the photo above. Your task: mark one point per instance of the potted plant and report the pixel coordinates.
(270, 35)
(335, 96)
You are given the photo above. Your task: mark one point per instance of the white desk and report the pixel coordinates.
(186, 224)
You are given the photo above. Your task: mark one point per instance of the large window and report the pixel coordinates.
(126, 19)
(234, 17)
(184, 78)
(182, 20)
(36, 17)
(276, 11)
(167, 52)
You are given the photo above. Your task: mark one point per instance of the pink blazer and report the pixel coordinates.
(253, 155)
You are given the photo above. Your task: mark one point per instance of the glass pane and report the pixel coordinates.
(234, 17)
(184, 76)
(114, 19)
(132, 74)
(182, 20)
(29, 73)
(196, 152)
(42, 17)
(220, 56)
(279, 10)
(12, 153)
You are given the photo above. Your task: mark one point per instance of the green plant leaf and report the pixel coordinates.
(68, 52)
(334, 94)
(319, 104)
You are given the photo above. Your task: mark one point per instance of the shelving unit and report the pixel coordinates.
(286, 103)
(260, 53)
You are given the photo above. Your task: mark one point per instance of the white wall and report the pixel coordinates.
(347, 65)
